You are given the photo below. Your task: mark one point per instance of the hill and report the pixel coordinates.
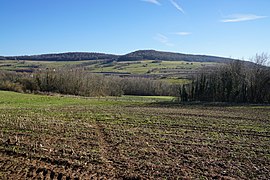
(70, 56)
(133, 56)
(169, 56)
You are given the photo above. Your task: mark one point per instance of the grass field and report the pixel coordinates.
(133, 67)
(142, 67)
(13, 65)
(55, 137)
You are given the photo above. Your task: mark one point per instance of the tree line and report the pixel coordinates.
(82, 83)
(234, 82)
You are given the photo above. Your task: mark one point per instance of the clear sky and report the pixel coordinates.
(229, 28)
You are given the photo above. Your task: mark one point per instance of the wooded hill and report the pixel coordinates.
(70, 56)
(2, 58)
(169, 56)
(134, 56)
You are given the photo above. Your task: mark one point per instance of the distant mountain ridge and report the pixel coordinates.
(69, 56)
(133, 56)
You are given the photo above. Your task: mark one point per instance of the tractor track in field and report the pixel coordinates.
(115, 163)
(104, 149)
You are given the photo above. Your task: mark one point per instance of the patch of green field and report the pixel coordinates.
(11, 99)
(12, 65)
(177, 80)
(147, 98)
(133, 67)
(146, 66)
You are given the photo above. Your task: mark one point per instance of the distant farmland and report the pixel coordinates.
(170, 71)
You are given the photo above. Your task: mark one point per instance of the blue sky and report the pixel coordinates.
(229, 28)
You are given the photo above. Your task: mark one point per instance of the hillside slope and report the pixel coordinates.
(169, 56)
(133, 56)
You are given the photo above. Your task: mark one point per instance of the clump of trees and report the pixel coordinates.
(12, 81)
(148, 87)
(234, 82)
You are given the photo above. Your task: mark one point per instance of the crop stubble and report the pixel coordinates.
(135, 142)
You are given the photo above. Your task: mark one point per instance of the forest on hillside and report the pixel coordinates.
(169, 56)
(72, 56)
(134, 56)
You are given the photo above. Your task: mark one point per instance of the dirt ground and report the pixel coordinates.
(135, 142)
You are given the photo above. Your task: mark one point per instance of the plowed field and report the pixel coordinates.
(71, 138)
